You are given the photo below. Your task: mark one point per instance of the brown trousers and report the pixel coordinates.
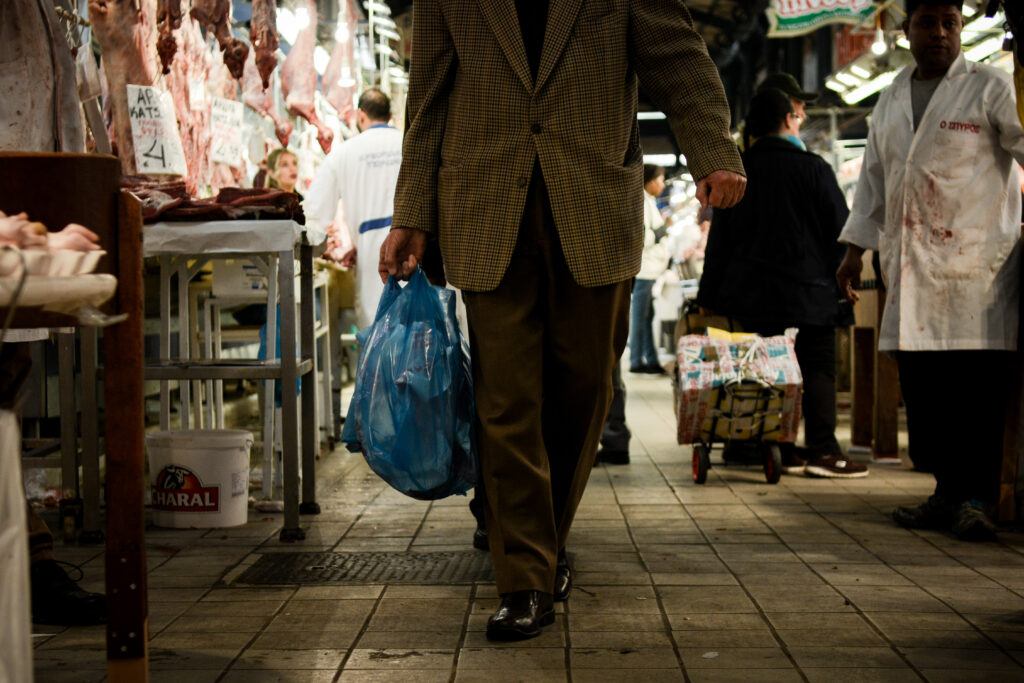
(543, 348)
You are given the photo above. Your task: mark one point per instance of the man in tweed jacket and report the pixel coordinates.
(522, 159)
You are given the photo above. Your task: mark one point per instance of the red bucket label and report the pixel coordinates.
(178, 489)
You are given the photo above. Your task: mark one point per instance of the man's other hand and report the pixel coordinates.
(848, 275)
(721, 189)
(348, 259)
(401, 252)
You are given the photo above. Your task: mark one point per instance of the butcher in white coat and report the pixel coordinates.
(939, 198)
(362, 173)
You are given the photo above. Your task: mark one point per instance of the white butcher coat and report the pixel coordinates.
(943, 209)
(362, 172)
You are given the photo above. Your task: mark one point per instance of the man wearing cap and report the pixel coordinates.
(787, 84)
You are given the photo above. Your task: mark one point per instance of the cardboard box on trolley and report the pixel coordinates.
(737, 387)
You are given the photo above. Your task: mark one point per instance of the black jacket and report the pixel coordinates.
(772, 258)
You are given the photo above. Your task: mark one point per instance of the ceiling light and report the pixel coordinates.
(377, 8)
(660, 159)
(870, 88)
(384, 21)
(985, 49)
(903, 42)
(848, 79)
(650, 116)
(859, 71)
(879, 47)
(835, 85)
(387, 33)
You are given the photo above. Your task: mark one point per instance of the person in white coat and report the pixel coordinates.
(938, 199)
(362, 173)
(643, 356)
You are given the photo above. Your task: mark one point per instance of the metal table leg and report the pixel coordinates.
(289, 371)
(268, 385)
(310, 429)
(91, 530)
(184, 343)
(165, 338)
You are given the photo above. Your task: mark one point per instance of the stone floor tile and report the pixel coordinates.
(755, 552)
(798, 598)
(893, 599)
(837, 553)
(596, 640)
(951, 658)
(70, 659)
(744, 676)
(734, 658)
(341, 609)
(959, 638)
(715, 622)
(45, 674)
(1012, 621)
(861, 636)
(418, 609)
(616, 622)
(341, 639)
(846, 657)
(241, 610)
(894, 622)
(397, 659)
(175, 594)
(290, 659)
(965, 676)
(193, 640)
(860, 575)
(414, 592)
(873, 675)
(980, 600)
(587, 658)
(625, 577)
(82, 638)
(278, 676)
(672, 675)
(529, 676)
(247, 594)
(161, 659)
(511, 658)
(408, 640)
(298, 621)
(693, 579)
(615, 600)
(210, 623)
(551, 636)
(705, 599)
(194, 676)
(438, 622)
(367, 592)
(724, 638)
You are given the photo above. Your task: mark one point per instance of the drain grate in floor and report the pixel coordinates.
(441, 568)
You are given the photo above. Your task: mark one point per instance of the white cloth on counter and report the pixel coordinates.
(363, 173)
(943, 208)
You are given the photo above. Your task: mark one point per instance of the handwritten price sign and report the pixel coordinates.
(226, 131)
(155, 131)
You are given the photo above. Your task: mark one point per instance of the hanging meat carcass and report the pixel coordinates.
(216, 16)
(126, 37)
(168, 19)
(263, 36)
(187, 84)
(298, 77)
(339, 83)
(261, 100)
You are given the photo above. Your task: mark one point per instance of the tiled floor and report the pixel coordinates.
(736, 580)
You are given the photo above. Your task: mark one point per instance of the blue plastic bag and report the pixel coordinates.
(412, 413)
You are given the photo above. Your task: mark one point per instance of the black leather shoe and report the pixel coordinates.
(612, 457)
(563, 578)
(480, 540)
(57, 600)
(522, 615)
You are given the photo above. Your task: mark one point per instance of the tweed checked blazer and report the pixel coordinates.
(477, 121)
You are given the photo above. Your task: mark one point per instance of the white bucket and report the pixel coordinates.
(199, 479)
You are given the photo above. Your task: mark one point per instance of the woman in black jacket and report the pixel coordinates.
(770, 264)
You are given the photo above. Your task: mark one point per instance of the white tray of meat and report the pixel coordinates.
(58, 294)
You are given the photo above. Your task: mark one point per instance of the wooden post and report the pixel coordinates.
(887, 394)
(127, 610)
(1006, 510)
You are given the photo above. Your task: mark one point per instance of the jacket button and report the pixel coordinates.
(523, 181)
(537, 128)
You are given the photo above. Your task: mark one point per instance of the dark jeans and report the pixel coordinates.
(956, 410)
(816, 353)
(615, 436)
(641, 317)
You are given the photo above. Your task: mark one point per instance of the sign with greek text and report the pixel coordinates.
(788, 18)
(226, 131)
(155, 131)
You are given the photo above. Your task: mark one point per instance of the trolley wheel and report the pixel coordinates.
(701, 463)
(772, 462)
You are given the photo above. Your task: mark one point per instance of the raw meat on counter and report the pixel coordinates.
(216, 16)
(263, 36)
(168, 18)
(298, 78)
(261, 100)
(170, 202)
(126, 39)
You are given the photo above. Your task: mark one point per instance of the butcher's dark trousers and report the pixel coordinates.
(956, 411)
(615, 434)
(543, 348)
(816, 354)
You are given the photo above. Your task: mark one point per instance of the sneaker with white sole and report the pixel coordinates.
(835, 467)
(792, 463)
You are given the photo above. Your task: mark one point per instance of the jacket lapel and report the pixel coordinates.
(561, 20)
(501, 16)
